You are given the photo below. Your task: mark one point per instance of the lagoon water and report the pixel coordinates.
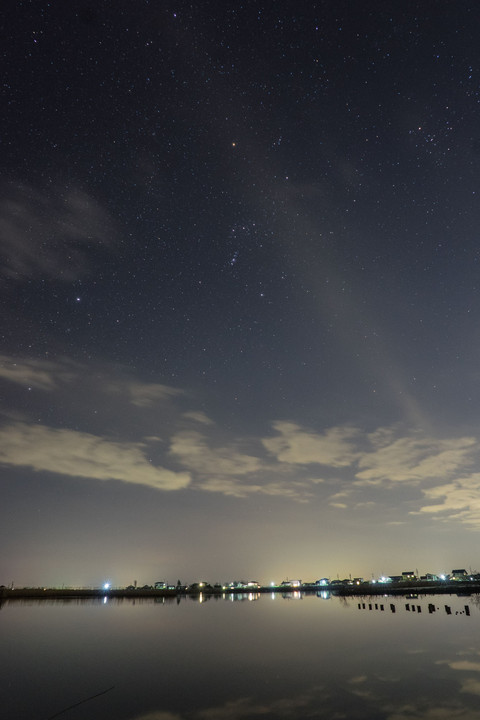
(227, 658)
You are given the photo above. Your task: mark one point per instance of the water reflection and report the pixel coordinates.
(236, 656)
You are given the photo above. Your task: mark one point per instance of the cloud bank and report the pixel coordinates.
(158, 438)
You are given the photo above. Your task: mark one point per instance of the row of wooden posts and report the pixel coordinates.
(411, 607)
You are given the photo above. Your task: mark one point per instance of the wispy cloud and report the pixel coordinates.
(79, 454)
(232, 487)
(37, 374)
(147, 394)
(50, 233)
(198, 417)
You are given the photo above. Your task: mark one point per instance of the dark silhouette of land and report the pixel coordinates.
(462, 587)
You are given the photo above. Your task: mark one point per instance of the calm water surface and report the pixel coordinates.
(295, 657)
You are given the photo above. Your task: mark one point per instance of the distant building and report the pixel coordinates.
(291, 583)
(409, 575)
(241, 585)
(459, 574)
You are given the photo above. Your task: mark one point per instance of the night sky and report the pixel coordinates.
(240, 287)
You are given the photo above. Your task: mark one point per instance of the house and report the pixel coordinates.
(409, 575)
(459, 574)
(235, 585)
(291, 583)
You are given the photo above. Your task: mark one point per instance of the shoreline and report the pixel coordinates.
(363, 589)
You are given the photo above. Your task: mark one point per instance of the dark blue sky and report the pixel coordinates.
(240, 286)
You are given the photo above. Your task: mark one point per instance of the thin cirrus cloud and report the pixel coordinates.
(49, 232)
(147, 394)
(50, 376)
(79, 454)
(37, 374)
(198, 417)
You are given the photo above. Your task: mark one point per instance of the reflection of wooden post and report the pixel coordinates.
(407, 607)
(381, 608)
(419, 608)
(467, 610)
(448, 610)
(431, 608)
(393, 608)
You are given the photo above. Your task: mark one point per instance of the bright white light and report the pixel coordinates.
(106, 586)
(442, 577)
